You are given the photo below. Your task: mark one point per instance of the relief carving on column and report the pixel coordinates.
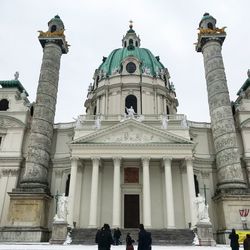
(145, 160)
(96, 160)
(117, 160)
(167, 161)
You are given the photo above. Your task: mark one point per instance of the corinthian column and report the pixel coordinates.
(169, 193)
(94, 193)
(191, 191)
(117, 193)
(210, 40)
(146, 194)
(72, 190)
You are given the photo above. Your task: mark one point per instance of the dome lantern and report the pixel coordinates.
(131, 40)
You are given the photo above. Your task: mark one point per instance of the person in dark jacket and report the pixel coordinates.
(104, 238)
(129, 242)
(144, 239)
(117, 235)
(234, 240)
(246, 243)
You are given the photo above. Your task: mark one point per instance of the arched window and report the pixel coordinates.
(136, 44)
(168, 110)
(210, 26)
(94, 111)
(125, 44)
(131, 42)
(196, 185)
(4, 105)
(67, 186)
(53, 28)
(131, 100)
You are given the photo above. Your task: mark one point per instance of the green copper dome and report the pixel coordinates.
(149, 63)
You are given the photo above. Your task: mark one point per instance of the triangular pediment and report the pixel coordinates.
(131, 132)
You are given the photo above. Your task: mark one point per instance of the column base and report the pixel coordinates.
(27, 218)
(59, 232)
(24, 234)
(205, 234)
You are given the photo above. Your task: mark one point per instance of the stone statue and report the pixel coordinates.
(62, 208)
(248, 73)
(16, 75)
(184, 122)
(202, 209)
(164, 121)
(130, 112)
(97, 122)
(79, 121)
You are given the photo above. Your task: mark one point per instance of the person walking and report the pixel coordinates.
(104, 238)
(144, 239)
(246, 243)
(234, 240)
(117, 235)
(129, 242)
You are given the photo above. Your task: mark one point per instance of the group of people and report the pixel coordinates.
(234, 241)
(104, 238)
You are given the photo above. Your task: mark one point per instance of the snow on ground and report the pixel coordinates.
(46, 246)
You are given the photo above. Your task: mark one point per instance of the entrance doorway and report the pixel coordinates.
(131, 211)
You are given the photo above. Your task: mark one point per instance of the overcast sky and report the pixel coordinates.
(95, 27)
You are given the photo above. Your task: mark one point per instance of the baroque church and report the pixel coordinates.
(131, 158)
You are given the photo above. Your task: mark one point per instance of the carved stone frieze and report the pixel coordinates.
(9, 172)
(9, 122)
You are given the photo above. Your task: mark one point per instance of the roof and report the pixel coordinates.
(13, 84)
(244, 86)
(117, 56)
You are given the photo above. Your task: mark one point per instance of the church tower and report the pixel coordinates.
(210, 40)
(29, 203)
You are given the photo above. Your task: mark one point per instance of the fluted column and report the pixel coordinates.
(146, 194)
(94, 193)
(169, 193)
(72, 191)
(191, 191)
(117, 193)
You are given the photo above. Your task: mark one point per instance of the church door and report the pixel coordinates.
(131, 211)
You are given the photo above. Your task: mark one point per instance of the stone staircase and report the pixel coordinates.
(159, 237)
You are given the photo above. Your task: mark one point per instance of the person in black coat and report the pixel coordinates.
(117, 235)
(104, 238)
(144, 239)
(129, 242)
(246, 243)
(234, 240)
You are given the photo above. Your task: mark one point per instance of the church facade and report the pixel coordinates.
(132, 158)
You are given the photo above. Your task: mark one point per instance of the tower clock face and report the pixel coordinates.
(131, 67)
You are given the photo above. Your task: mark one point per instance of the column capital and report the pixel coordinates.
(96, 160)
(167, 160)
(145, 160)
(189, 160)
(74, 158)
(117, 159)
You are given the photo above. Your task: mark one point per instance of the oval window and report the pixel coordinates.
(131, 67)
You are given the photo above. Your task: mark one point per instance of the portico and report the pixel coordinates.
(145, 172)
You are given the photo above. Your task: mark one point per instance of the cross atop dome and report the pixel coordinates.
(130, 24)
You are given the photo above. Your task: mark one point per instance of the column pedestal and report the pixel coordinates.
(28, 216)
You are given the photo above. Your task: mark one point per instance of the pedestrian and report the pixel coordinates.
(246, 243)
(144, 239)
(117, 235)
(104, 238)
(234, 240)
(129, 242)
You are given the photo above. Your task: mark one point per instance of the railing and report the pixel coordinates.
(148, 117)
